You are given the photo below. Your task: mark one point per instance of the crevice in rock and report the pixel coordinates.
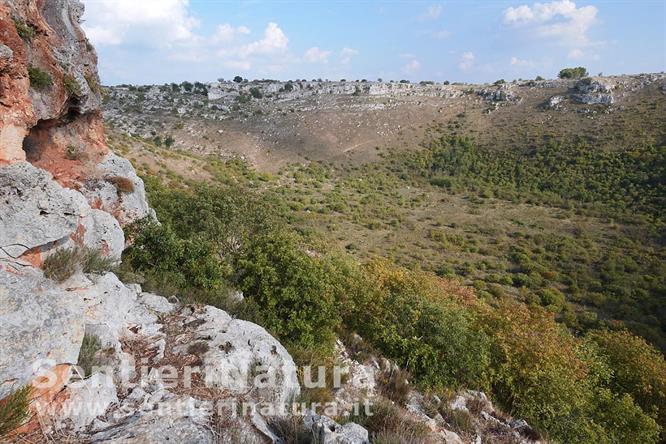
(40, 137)
(37, 139)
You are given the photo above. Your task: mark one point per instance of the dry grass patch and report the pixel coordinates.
(64, 263)
(122, 184)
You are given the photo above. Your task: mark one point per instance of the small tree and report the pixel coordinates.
(187, 86)
(256, 92)
(573, 73)
(238, 79)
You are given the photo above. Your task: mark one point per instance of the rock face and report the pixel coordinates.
(327, 431)
(593, 91)
(45, 38)
(141, 328)
(50, 99)
(504, 92)
(37, 216)
(125, 206)
(61, 188)
(39, 322)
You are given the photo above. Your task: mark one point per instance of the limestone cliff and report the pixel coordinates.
(62, 190)
(50, 117)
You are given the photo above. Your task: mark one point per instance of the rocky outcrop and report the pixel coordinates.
(61, 188)
(40, 322)
(502, 93)
(52, 78)
(38, 216)
(130, 399)
(327, 431)
(554, 102)
(126, 202)
(50, 99)
(594, 91)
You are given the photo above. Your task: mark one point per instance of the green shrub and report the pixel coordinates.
(168, 260)
(24, 30)
(293, 290)
(65, 262)
(437, 342)
(256, 92)
(623, 420)
(72, 87)
(557, 382)
(638, 370)
(39, 79)
(573, 73)
(89, 348)
(552, 298)
(14, 410)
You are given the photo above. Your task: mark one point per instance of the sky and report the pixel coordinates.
(160, 41)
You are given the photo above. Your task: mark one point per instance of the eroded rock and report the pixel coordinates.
(126, 204)
(37, 216)
(40, 322)
(327, 431)
(594, 91)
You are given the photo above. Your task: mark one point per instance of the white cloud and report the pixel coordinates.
(166, 32)
(346, 55)
(317, 55)
(466, 61)
(411, 67)
(227, 33)
(432, 13)
(157, 23)
(560, 19)
(274, 41)
(515, 61)
(521, 14)
(441, 34)
(575, 53)
(243, 65)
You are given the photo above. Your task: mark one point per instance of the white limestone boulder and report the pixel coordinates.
(38, 322)
(126, 206)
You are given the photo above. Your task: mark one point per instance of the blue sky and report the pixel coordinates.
(158, 41)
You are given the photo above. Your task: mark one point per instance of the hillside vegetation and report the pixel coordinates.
(534, 269)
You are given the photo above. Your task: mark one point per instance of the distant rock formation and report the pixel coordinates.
(593, 91)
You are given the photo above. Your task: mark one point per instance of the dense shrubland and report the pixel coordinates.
(622, 278)
(604, 386)
(561, 174)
